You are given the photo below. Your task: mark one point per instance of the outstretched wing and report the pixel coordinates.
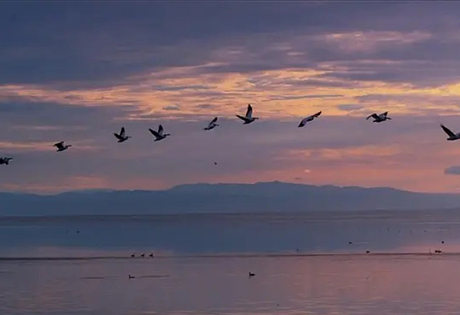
(122, 132)
(375, 116)
(249, 112)
(303, 122)
(242, 118)
(317, 114)
(448, 131)
(160, 130)
(211, 124)
(119, 137)
(384, 114)
(156, 134)
(59, 144)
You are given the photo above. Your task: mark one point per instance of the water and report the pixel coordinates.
(304, 264)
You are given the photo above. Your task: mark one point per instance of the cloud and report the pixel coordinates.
(350, 107)
(105, 66)
(180, 87)
(298, 97)
(205, 106)
(452, 170)
(171, 107)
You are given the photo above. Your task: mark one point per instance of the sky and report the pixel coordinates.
(78, 71)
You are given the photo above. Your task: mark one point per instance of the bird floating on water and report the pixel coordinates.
(130, 277)
(248, 118)
(159, 135)
(122, 137)
(309, 118)
(5, 160)
(452, 136)
(379, 118)
(61, 146)
(212, 124)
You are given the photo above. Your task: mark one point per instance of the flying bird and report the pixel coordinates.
(248, 118)
(452, 136)
(379, 118)
(5, 160)
(309, 118)
(251, 274)
(159, 135)
(212, 124)
(61, 147)
(122, 137)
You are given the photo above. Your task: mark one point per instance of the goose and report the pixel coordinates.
(212, 124)
(151, 255)
(61, 147)
(309, 118)
(379, 118)
(248, 118)
(251, 274)
(452, 136)
(130, 277)
(122, 137)
(159, 134)
(5, 160)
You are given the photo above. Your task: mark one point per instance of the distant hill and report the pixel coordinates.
(225, 198)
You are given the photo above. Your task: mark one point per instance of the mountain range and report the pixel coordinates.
(223, 198)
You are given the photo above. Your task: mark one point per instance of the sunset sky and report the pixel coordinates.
(78, 71)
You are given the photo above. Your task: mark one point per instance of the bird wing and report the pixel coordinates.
(317, 114)
(119, 137)
(156, 134)
(249, 112)
(448, 131)
(375, 116)
(160, 130)
(212, 122)
(384, 114)
(122, 132)
(59, 144)
(242, 118)
(303, 122)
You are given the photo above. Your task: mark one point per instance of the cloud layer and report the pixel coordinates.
(78, 71)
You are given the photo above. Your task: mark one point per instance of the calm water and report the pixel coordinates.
(304, 264)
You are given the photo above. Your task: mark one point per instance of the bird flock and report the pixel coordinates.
(247, 119)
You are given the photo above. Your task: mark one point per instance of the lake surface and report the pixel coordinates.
(304, 264)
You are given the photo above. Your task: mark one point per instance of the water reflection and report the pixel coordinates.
(351, 284)
(201, 264)
(189, 234)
